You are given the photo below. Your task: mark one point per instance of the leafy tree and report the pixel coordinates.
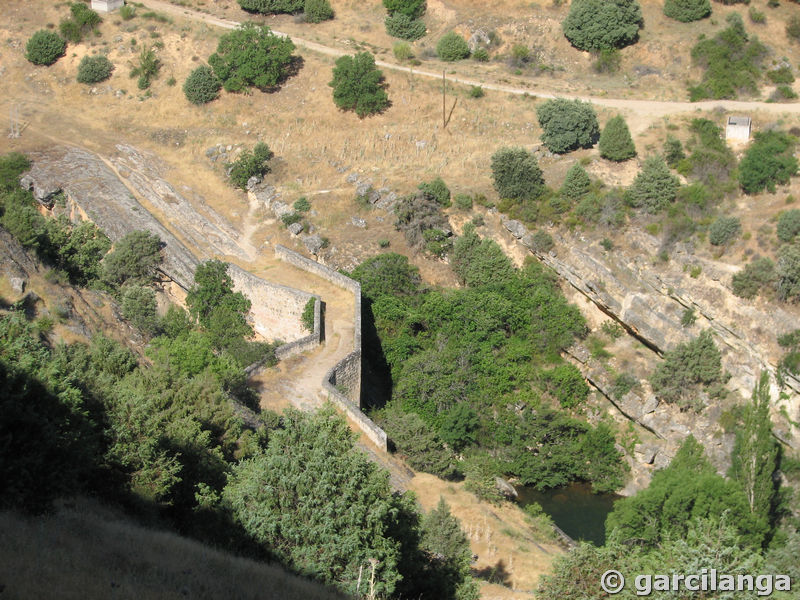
(788, 270)
(768, 161)
(404, 27)
(252, 56)
(250, 164)
(135, 258)
(202, 86)
(272, 6)
(754, 460)
(687, 11)
(654, 187)
(673, 151)
(452, 47)
(755, 276)
(686, 366)
(458, 426)
(436, 190)
(12, 166)
(601, 24)
(723, 230)
(577, 183)
(410, 8)
(319, 504)
(44, 48)
(93, 69)
(317, 11)
(567, 385)
(387, 274)
(479, 262)
(516, 174)
(615, 141)
(568, 124)
(139, 307)
(358, 85)
(788, 225)
(416, 216)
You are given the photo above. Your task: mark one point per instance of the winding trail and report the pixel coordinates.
(652, 109)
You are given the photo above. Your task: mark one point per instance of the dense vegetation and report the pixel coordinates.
(687, 11)
(93, 69)
(358, 85)
(603, 24)
(654, 187)
(404, 19)
(250, 164)
(44, 48)
(516, 174)
(202, 86)
(567, 125)
(769, 161)
(252, 56)
(615, 141)
(272, 6)
(452, 47)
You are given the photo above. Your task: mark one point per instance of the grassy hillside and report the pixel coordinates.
(86, 551)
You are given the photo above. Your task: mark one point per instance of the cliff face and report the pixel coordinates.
(649, 298)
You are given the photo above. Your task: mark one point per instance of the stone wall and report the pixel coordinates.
(346, 375)
(308, 342)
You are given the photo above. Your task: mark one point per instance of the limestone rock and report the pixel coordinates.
(313, 243)
(295, 228)
(517, 229)
(359, 222)
(505, 488)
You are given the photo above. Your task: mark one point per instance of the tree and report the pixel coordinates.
(436, 190)
(413, 9)
(479, 262)
(250, 164)
(44, 48)
(202, 86)
(458, 426)
(452, 47)
(723, 230)
(567, 124)
(755, 276)
(404, 27)
(654, 187)
(788, 270)
(93, 69)
(755, 453)
(601, 24)
(673, 151)
(416, 441)
(688, 365)
(615, 141)
(768, 161)
(135, 258)
(272, 6)
(358, 85)
(387, 274)
(788, 225)
(687, 11)
(317, 11)
(12, 166)
(577, 183)
(139, 307)
(516, 174)
(252, 56)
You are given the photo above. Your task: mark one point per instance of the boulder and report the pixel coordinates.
(313, 243)
(359, 222)
(517, 229)
(505, 488)
(295, 228)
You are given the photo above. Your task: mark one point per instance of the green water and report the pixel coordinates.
(580, 513)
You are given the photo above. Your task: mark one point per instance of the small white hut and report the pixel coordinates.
(738, 129)
(107, 5)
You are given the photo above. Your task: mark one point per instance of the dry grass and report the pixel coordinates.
(85, 551)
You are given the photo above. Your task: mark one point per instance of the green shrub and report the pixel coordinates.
(252, 56)
(481, 55)
(654, 187)
(307, 318)
(250, 164)
(202, 86)
(788, 225)
(416, 214)
(567, 385)
(782, 74)
(417, 442)
(689, 317)
(541, 242)
(756, 276)
(410, 8)
(84, 16)
(517, 175)
(404, 27)
(127, 12)
(44, 48)
(70, 31)
(768, 161)
(673, 151)
(567, 125)
(687, 11)
(781, 93)
(607, 60)
(452, 47)
(93, 69)
(793, 28)
(476, 91)
(272, 6)
(756, 16)
(302, 205)
(12, 166)
(723, 230)
(139, 307)
(436, 190)
(788, 270)
(463, 202)
(358, 85)
(147, 68)
(731, 63)
(577, 183)
(623, 384)
(600, 24)
(688, 365)
(134, 259)
(317, 11)
(615, 141)
(402, 51)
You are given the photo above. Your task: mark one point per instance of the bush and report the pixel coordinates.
(402, 51)
(84, 16)
(654, 187)
(755, 277)
(567, 385)
(793, 28)
(769, 161)
(358, 85)
(436, 190)
(517, 175)
(302, 205)
(476, 91)
(252, 56)
(577, 183)
(317, 11)
(250, 164)
(452, 47)
(272, 6)
(410, 8)
(788, 269)
(307, 318)
(139, 307)
(44, 48)
(782, 74)
(70, 31)
(567, 125)
(690, 364)
(687, 11)
(600, 24)
(404, 27)
(541, 242)
(756, 16)
(723, 230)
(615, 141)
(202, 86)
(93, 69)
(127, 12)
(417, 214)
(463, 202)
(481, 55)
(134, 259)
(788, 225)
(673, 151)
(12, 166)
(147, 69)
(607, 60)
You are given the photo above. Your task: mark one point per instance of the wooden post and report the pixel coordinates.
(444, 106)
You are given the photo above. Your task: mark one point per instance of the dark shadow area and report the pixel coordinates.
(494, 574)
(376, 384)
(293, 68)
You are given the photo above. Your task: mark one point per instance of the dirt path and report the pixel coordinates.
(647, 109)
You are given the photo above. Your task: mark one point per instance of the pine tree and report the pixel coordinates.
(615, 141)
(755, 453)
(654, 187)
(577, 183)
